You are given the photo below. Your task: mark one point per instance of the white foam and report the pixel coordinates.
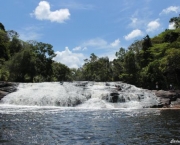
(45, 94)
(93, 95)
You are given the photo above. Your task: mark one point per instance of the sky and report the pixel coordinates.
(78, 28)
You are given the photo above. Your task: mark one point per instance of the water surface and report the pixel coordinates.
(53, 125)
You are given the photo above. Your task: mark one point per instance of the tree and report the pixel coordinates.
(171, 66)
(117, 68)
(130, 68)
(136, 48)
(4, 52)
(145, 52)
(91, 67)
(176, 21)
(44, 54)
(93, 57)
(15, 44)
(22, 66)
(102, 72)
(2, 27)
(121, 54)
(152, 74)
(32, 63)
(60, 72)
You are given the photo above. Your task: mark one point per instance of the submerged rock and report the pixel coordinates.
(114, 98)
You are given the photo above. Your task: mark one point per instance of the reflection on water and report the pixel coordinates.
(49, 126)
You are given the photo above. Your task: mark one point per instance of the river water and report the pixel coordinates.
(39, 115)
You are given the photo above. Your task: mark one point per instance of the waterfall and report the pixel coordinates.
(81, 95)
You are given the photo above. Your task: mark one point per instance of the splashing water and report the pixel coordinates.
(81, 95)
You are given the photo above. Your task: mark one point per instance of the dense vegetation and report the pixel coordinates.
(144, 63)
(28, 61)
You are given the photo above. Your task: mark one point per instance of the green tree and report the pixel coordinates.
(89, 67)
(4, 42)
(152, 74)
(118, 64)
(170, 36)
(121, 54)
(171, 66)
(103, 69)
(60, 72)
(130, 68)
(145, 52)
(22, 66)
(15, 44)
(44, 58)
(176, 21)
(2, 27)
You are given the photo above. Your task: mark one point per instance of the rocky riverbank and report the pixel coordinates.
(168, 99)
(6, 88)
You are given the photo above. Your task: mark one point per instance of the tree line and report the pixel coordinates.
(144, 63)
(29, 61)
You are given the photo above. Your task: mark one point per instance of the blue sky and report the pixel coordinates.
(77, 28)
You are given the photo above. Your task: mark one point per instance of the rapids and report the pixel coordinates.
(81, 95)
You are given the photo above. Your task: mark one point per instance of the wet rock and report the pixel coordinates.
(168, 98)
(81, 84)
(114, 99)
(107, 84)
(115, 96)
(6, 88)
(177, 102)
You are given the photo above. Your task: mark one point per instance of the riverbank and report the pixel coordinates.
(169, 99)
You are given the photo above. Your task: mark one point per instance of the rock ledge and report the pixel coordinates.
(6, 88)
(168, 99)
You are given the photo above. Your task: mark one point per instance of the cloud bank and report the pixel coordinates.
(72, 60)
(43, 12)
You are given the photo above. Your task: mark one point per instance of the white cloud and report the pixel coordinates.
(135, 33)
(72, 60)
(97, 42)
(101, 43)
(30, 33)
(115, 43)
(138, 22)
(175, 9)
(171, 26)
(153, 25)
(43, 12)
(79, 48)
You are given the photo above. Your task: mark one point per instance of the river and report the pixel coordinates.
(78, 114)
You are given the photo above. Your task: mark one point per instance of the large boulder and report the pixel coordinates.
(6, 88)
(168, 98)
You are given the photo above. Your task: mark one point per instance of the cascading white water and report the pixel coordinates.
(80, 94)
(46, 94)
